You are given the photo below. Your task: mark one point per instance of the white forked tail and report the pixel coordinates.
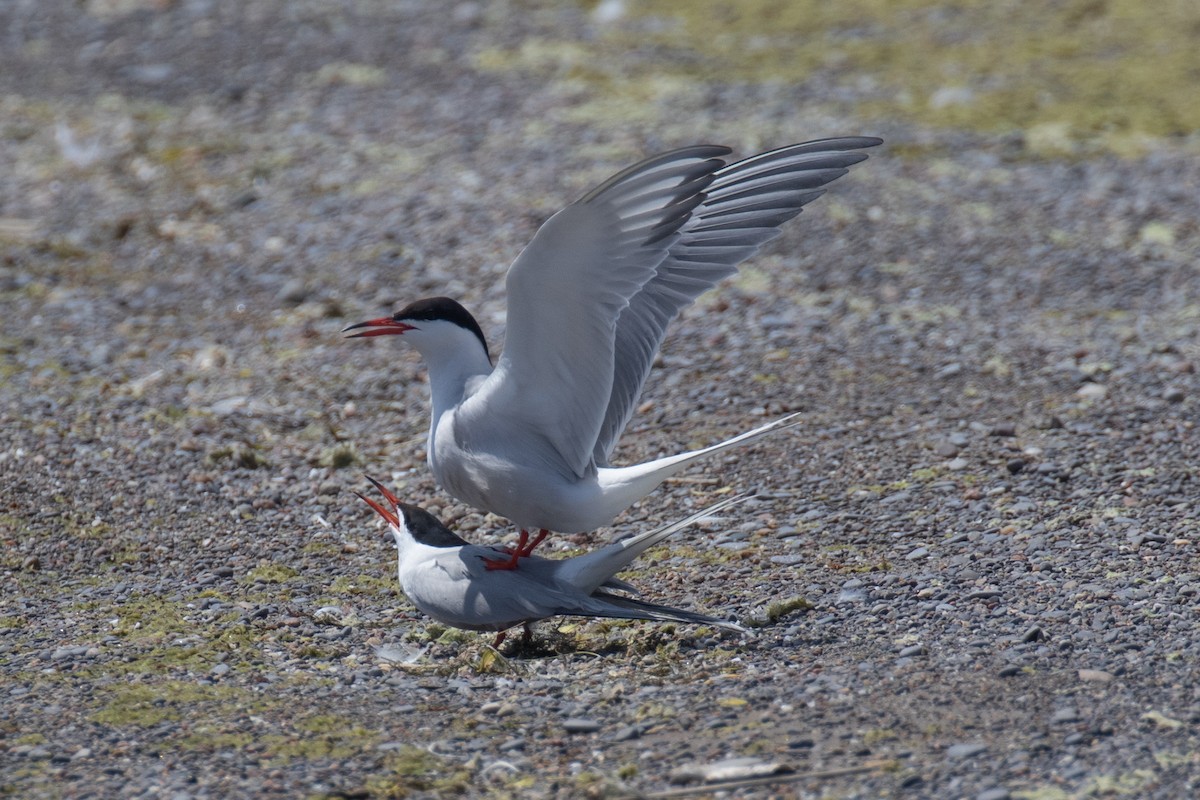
(626, 485)
(589, 571)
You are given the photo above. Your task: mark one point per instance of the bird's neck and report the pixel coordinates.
(453, 376)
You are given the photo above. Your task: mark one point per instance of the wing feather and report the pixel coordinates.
(566, 291)
(741, 210)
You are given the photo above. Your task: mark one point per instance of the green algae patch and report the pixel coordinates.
(1109, 69)
(267, 572)
(1112, 75)
(145, 705)
(414, 769)
(778, 610)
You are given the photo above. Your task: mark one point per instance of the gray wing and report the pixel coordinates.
(743, 208)
(566, 291)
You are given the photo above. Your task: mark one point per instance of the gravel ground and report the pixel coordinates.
(973, 568)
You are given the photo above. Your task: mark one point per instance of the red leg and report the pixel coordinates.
(511, 561)
(499, 639)
(527, 636)
(523, 551)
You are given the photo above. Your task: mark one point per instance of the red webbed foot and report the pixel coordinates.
(523, 549)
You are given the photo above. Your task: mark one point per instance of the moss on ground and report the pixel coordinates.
(1114, 74)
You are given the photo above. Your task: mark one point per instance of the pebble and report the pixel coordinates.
(949, 371)
(580, 725)
(1174, 394)
(1064, 715)
(1095, 675)
(998, 793)
(946, 449)
(328, 615)
(917, 554)
(294, 292)
(627, 733)
(957, 752)
(913, 650)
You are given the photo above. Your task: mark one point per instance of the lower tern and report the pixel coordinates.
(589, 302)
(448, 578)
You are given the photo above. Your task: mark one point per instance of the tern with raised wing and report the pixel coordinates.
(448, 578)
(589, 301)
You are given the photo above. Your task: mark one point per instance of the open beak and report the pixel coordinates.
(384, 326)
(389, 514)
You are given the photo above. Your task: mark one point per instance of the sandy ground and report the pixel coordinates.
(973, 566)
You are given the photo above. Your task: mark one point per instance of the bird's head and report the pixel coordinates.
(410, 524)
(432, 324)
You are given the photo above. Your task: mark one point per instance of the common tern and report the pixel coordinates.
(448, 578)
(589, 301)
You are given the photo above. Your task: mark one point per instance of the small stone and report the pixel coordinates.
(294, 292)
(1003, 429)
(219, 669)
(730, 769)
(957, 464)
(1073, 739)
(998, 793)
(580, 725)
(1092, 391)
(31, 564)
(957, 752)
(1174, 394)
(917, 554)
(628, 733)
(1064, 715)
(948, 371)
(1015, 465)
(1162, 720)
(913, 650)
(1095, 675)
(328, 615)
(1033, 634)
(945, 449)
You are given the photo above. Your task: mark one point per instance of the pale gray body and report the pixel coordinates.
(589, 301)
(448, 579)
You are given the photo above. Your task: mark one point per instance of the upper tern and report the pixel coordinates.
(448, 578)
(589, 301)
